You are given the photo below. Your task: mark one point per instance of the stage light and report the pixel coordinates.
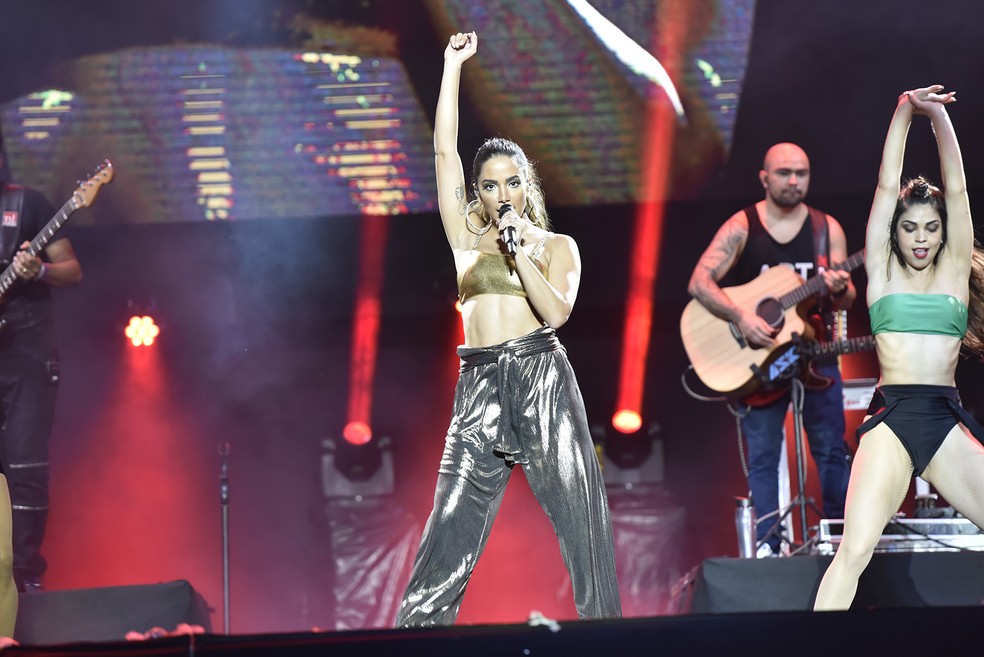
(142, 331)
(626, 421)
(354, 471)
(648, 230)
(632, 463)
(365, 329)
(357, 433)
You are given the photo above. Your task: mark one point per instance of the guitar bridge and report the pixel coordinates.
(736, 334)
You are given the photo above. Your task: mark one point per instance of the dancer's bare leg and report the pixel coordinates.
(880, 479)
(957, 473)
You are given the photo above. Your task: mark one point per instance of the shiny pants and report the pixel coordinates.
(517, 402)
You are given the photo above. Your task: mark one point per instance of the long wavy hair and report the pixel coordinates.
(535, 208)
(921, 191)
(973, 342)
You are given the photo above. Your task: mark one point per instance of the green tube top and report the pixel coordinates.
(929, 314)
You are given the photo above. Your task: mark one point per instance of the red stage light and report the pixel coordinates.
(142, 331)
(626, 421)
(357, 433)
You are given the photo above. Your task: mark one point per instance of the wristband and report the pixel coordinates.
(41, 272)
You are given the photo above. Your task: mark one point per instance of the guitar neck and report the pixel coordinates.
(849, 346)
(816, 285)
(41, 240)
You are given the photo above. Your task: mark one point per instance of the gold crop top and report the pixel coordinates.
(494, 273)
(489, 273)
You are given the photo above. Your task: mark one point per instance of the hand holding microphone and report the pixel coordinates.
(508, 234)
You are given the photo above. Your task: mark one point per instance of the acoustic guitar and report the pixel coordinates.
(721, 357)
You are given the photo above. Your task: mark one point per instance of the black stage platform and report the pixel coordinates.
(929, 631)
(909, 603)
(905, 579)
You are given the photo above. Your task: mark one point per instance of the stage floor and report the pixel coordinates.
(913, 603)
(929, 631)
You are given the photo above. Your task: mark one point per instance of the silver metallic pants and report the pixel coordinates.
(516, 402)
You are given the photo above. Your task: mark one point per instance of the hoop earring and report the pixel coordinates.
(478, 231)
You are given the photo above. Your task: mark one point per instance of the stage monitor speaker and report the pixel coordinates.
(108, 613)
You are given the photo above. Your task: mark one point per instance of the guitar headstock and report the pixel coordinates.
(85, 193)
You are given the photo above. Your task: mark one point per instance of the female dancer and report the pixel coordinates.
(924, 278)
(516, 401)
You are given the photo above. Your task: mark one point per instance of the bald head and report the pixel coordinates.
(785, 175)
(785, 154)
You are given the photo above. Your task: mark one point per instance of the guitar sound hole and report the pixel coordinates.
(771, 311)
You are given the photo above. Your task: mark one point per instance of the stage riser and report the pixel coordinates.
(910, 579)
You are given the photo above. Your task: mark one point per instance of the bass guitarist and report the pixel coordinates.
(29, 369)
(781, 230)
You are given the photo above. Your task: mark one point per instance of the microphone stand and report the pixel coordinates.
(224, 505)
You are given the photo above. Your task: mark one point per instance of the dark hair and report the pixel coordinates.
(536, 209)
(916, 191)
(973, 341)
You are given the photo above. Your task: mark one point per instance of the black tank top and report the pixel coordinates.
(763, 251)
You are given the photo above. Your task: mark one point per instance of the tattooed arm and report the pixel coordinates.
(717, 261)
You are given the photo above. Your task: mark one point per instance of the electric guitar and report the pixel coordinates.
(83, 196)
(721, 357)
(796, 360)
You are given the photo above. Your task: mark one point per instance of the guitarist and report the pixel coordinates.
(782, 230)
(29, 368)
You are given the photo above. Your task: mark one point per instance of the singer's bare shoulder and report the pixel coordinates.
(557, 247)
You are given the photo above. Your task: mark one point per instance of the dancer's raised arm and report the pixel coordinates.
(960, 228)
(877, 234)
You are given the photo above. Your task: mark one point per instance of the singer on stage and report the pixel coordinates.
(516, 400)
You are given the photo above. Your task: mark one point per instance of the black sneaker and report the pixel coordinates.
(29, 586)
(33, 587)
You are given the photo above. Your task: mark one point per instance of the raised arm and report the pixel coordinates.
(452, 191)
(887, 192)
(960, 228)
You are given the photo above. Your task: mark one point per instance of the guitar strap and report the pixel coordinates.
(11, 211)
(821, 241)
(821, 255)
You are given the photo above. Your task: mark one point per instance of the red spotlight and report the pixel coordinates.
(626, 421)
(141, 331)
(357, 433)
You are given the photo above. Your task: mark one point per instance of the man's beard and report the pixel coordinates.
(788, 198)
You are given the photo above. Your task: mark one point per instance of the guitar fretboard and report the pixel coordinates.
(816, 285)
(849, 346)
(8, 277)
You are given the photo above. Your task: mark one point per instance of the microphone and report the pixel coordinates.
(509, 233)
